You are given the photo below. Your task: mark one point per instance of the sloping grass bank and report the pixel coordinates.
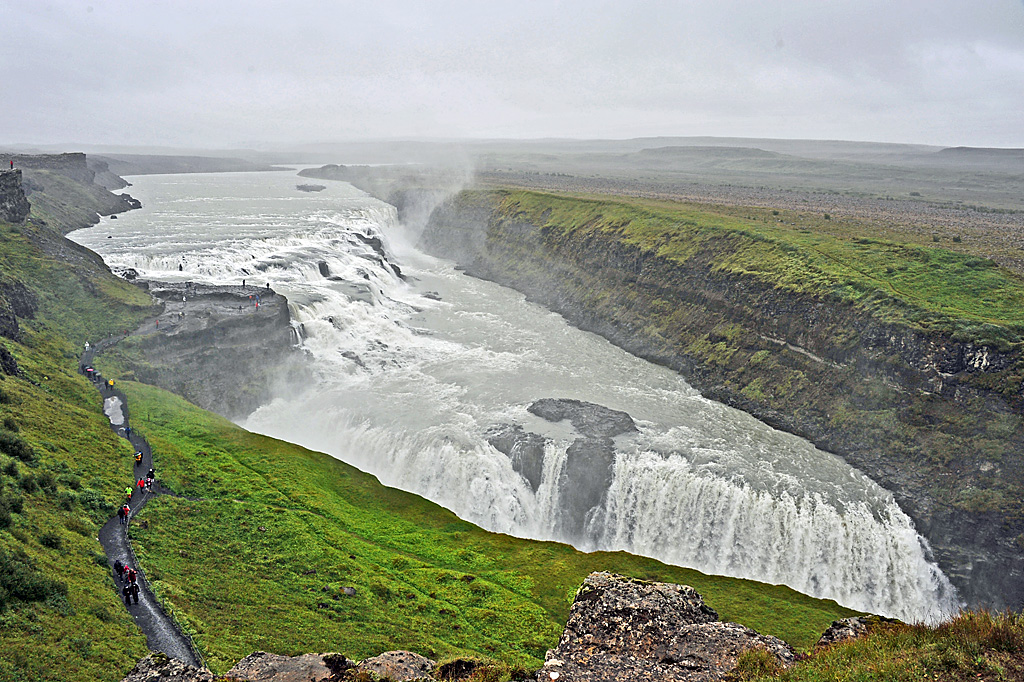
(973, 646)
(61, 470)
(262, 559)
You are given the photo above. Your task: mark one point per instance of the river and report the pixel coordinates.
(415, 365)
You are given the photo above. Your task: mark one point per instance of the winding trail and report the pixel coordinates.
(162, 633)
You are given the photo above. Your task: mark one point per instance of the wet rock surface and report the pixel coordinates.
(224, 348)
(525, 449)
(593, 421)
(587, 471)
(625, 629)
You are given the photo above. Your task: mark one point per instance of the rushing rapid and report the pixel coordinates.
(417, 363)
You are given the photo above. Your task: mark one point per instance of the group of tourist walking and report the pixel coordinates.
(126, 576)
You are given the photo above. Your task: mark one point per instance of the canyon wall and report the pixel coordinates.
(932, 418)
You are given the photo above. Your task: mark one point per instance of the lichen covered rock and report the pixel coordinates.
(625, 629)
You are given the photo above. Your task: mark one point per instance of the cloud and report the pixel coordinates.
(216, 74)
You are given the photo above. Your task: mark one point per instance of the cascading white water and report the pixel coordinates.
(409, 386)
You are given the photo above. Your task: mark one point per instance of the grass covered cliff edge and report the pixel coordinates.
(904, 359)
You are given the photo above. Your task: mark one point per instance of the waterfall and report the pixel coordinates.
(409, 385)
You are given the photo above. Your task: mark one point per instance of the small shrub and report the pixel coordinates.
(70, 480)
(22, 581)
(957, 239)
(66, 500)
(82, 646)
(5, 397)
(48, 482)
(51, 540)
(5, 517)
(28, 484)
(935, 237)
(16, 447)
(828, 217)
(11, 468)
(10, 424)
(756, 664)
(14, 502)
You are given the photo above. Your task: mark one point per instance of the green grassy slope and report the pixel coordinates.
(973, 646)
(259, 561)
(59, 618)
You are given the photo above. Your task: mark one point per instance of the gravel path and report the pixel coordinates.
(162, 634)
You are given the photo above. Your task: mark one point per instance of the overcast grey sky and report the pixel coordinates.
(227, 73)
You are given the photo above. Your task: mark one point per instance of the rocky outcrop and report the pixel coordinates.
(622, 629)
(930, 417)
(14, 207)
(16, 300)
(64, 191)
(215, 347)
(400, 666)
(261, 666)
(160, 668)
(587, 471)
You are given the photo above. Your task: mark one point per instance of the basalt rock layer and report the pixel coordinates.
(217, 348)
(933, 418)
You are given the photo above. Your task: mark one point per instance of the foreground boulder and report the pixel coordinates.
(400, 666)
(625, 629)
(160, 668)
(263, 667)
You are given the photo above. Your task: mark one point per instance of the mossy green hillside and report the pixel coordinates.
(60, 474)
(259, 559)
(925, 287)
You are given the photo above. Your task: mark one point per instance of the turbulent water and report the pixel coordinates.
(408, 386)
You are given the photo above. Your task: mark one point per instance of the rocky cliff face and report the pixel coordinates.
(933, 419)
(215, 348)
(14, 207)
(64, 191)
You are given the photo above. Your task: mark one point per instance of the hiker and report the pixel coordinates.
(87, 345)
(158, 323)
(243, 283)
(127, 512)
(110, 384)
(180, 268)
(135, 592)
(119, 569)
(151, 475)
(127, 592)
(141, 484)
(121, 516)
(128, 492)
(138, 457)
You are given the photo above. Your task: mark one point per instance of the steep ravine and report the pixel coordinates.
(925, 415)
